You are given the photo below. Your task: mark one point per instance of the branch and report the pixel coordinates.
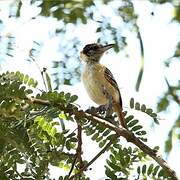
(130, 137)
(78, 151)
(94, 159)
(79, 148)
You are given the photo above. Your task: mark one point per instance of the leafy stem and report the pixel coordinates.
(129, 136)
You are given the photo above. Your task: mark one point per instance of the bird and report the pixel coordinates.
(98, 80)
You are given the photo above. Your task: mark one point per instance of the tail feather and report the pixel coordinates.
(118, 110)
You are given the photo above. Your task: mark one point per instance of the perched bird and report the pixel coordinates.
(99, 81)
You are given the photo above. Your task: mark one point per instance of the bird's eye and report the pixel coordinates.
(95, 47)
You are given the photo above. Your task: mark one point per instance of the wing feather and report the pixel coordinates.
(109, 77)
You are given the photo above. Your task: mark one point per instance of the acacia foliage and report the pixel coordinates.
(72, 12)
(37, 135)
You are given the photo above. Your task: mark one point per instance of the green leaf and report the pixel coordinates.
(137, 106)
(63, 116)
(110, 174)
(73, 98)
(29, 91)
(141, 133)
(139, 170)
(154, 115)
(144, 169)
(149, 111)
(102, 143)
(162, 104)
(61, 94)
(113, 166)
(105, 133)
(143, 139)
(135, 128)
(26, 78)
(143, 107)
(156, 120)
(67, 96)
(31, 82)
(100, 128)
(133, 122)
(73, 139)
(111, 137)
(132, 103)
(127, 159)
(38, 119)
(122, 160)
(90, 131)
(168, 142)
(52, 132)
(161, 173)
(99, 138)
(69, 145)
(98, 29)
(21, 161)
(113, 158)
(95, 136)
(150, 169)
(129, 118)
(60, 178)
(155, 170)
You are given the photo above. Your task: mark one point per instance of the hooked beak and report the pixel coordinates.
(106, 47)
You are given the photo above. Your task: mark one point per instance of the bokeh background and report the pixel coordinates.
(145, 60)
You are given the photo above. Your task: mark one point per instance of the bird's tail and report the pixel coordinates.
(118, 110)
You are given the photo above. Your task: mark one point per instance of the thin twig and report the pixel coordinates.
(72, 166)
(129, 136)
(41, 71)
(79, 148)
(78, 151)
(94, 159)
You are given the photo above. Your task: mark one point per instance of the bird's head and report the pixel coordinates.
(93, 52)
